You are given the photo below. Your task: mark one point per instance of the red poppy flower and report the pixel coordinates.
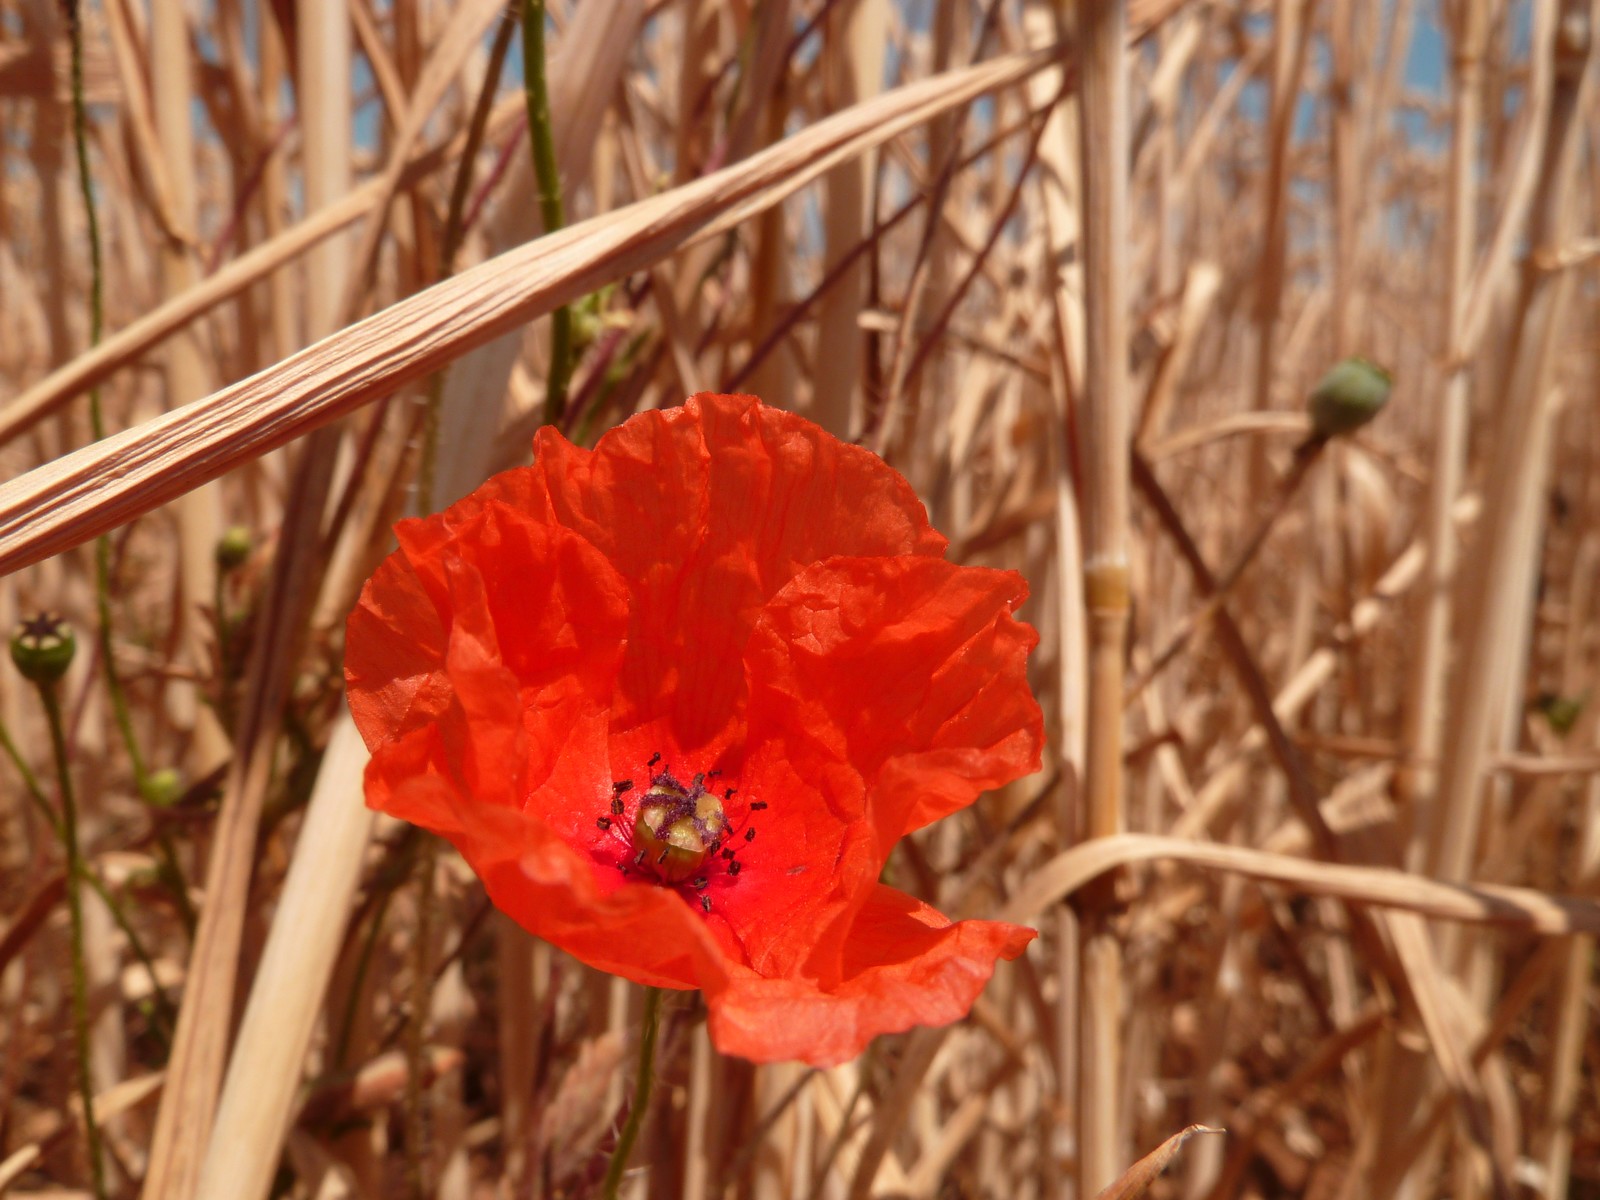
(676, 698)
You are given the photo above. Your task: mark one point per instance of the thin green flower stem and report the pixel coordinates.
(171, 876)
(164, 1016)
(642, 1086)
(1308, 453)
(80, 142)
(369, 943)
(550, 208)
(97, 422)
(454, 231)
(29, 779)
(219, 612)
(416, 1164)
(76, 874)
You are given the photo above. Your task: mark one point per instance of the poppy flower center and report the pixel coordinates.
(680, 834)
(678, 827)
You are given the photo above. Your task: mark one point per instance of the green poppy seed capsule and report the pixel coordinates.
(1347, 397)
(678, 828)
(1562, 712)
(234, 547)
(673, 849)
(42, 647)
(162, 788)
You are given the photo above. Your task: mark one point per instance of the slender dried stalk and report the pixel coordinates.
(1104, 90)
(1425, 701)
(1056, 152)
(199, 513)
(854, 73)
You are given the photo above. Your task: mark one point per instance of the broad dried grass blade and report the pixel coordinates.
(70, 500)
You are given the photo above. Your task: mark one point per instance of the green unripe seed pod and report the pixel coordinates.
(42, 647)
(1348, 396)
(234, 547)
(1562, 712)
(162, 788)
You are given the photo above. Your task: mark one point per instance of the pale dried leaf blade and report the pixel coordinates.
(140, 336)
(1136, 1180)
(66, 502)
(1536, 911)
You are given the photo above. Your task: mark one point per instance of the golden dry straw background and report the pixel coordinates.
(1315, 850)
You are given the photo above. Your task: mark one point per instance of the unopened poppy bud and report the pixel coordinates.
(42, 647)
(234, 547)
(1347, 397)
(162, 788)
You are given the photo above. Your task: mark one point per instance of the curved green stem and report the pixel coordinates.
(550, 207)
(642, 1086)
(347, 1022)
(80, 978)
(454, 231)
(80, 142)
(97, 422)
(30, 781)
(164, 1016)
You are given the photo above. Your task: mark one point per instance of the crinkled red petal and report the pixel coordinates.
(706, 511)
(906, 965)
(935, 647)
(510, 720)
(886, 690)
